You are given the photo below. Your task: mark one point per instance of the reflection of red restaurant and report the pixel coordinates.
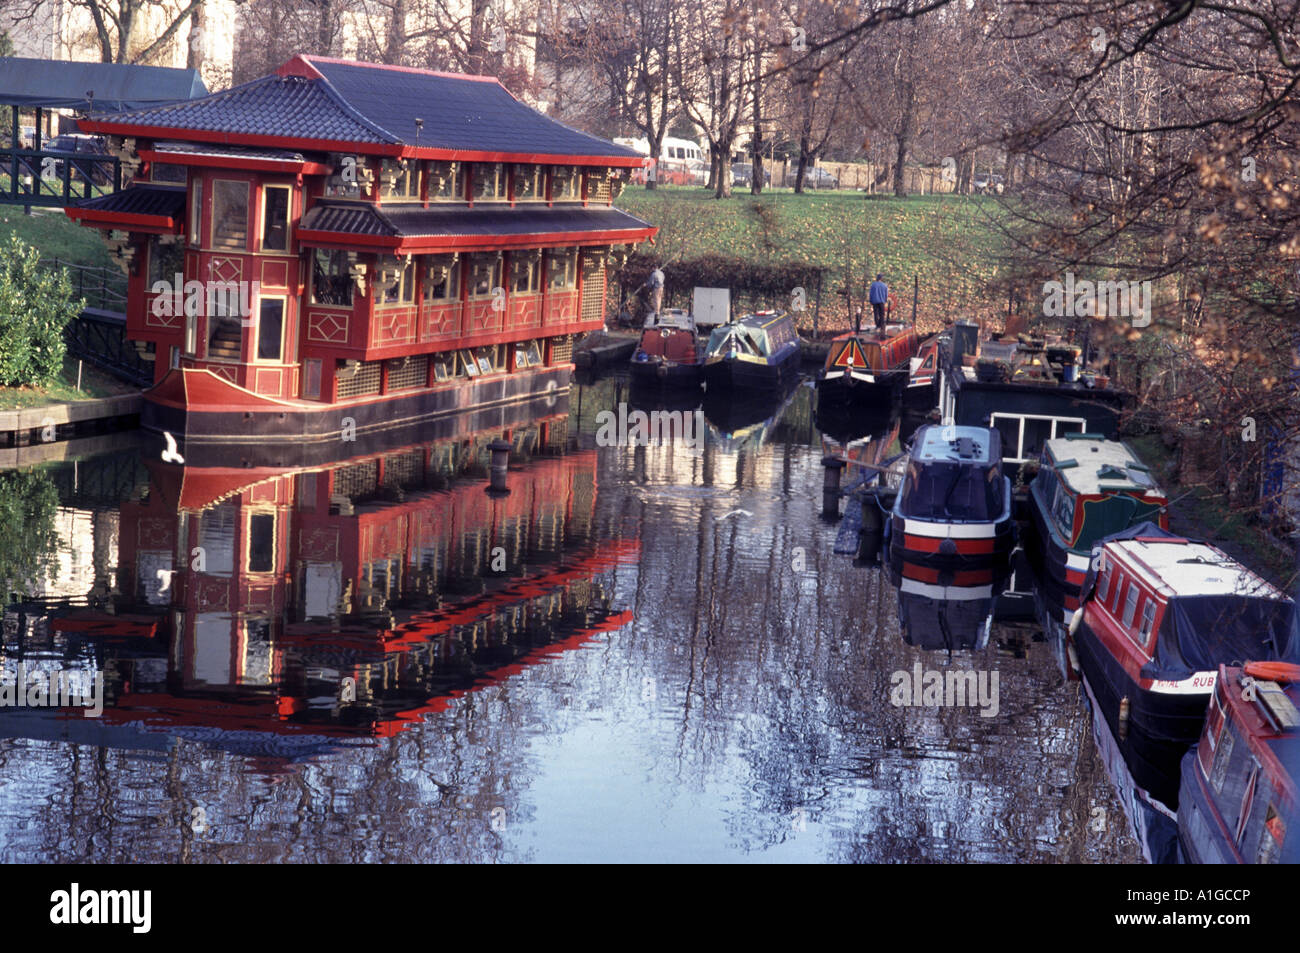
(359, 246)
(396, 573)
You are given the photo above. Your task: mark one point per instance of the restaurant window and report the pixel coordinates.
(275, 218)
(446, 366)
(446, 181)
(442, 279)
(400, 180)
(487, 358)
(529, 184)
(166, 260)
(311, 369)
(489, 182)
(331, 277)
(229, 214)
(398, 285)
(196, 211)
(562, 266)
(270, 329)
(566, 184)
(528, 354)
(167, 172)
(525, 272)
(261, 542)
(484, 275)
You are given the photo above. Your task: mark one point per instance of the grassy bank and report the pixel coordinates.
(56, 235)
(950, 243)
(94, 383)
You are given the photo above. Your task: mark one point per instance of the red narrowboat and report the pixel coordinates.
(670, 354)
(1160, 615)
(1238, 796)
(342, 247)
(868, 367)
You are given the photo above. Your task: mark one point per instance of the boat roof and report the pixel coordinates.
(973, 445)
(873, 336)
(1089, 464)
(763, 319)
(672, 318)
(1181, 567)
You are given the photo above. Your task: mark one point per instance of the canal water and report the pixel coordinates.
(639, 653)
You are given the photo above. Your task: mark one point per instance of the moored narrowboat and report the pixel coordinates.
(1087, 488)
(757, 353)
(1160, 615)
(868, 367)
(669, 354)
(954, 504)
(922, 391)
(1238, 795)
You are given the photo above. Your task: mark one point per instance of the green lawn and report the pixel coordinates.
(950, 243)
(55, 235)
(94, 383)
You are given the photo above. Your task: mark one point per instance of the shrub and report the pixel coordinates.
(36, 304)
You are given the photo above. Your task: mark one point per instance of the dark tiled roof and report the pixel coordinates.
(458, 112)
(346, 102)
(460, 221)
(141, 200)
(286, 106)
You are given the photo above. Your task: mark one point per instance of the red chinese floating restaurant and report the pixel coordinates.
(342, 247)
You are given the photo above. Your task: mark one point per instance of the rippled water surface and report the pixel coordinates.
(641, 653)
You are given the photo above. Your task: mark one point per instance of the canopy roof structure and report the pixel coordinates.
(93, 87)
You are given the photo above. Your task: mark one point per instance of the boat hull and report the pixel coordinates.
(846, 390)
(1160, 726)
(1060, 571)
(950, 544)
(665, 375)
(200, 408)
(755, 377)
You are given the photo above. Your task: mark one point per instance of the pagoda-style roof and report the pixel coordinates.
(146, 207)
(326, 104)
(413, 228)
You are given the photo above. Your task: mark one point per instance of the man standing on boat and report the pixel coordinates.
(878, 294)
(655, 285)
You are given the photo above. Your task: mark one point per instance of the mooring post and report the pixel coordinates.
(833, 467)
(498, 468)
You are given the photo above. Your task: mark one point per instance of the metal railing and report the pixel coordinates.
(55, 179)
(102, 288)
(99, 338)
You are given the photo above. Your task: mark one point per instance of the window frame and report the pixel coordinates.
(475, 260)
(256, 350)
(288, 217)
(330, 254)
(212, 225)
(451, 283)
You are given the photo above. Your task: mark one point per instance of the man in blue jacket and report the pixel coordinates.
(878, 294)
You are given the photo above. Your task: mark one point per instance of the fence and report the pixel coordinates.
(103, 288)
(99, 338)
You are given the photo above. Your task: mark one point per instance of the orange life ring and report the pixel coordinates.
(1274, 671)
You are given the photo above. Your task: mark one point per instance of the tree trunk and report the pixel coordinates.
(756, 185)
(656, 149)
(900, 181)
